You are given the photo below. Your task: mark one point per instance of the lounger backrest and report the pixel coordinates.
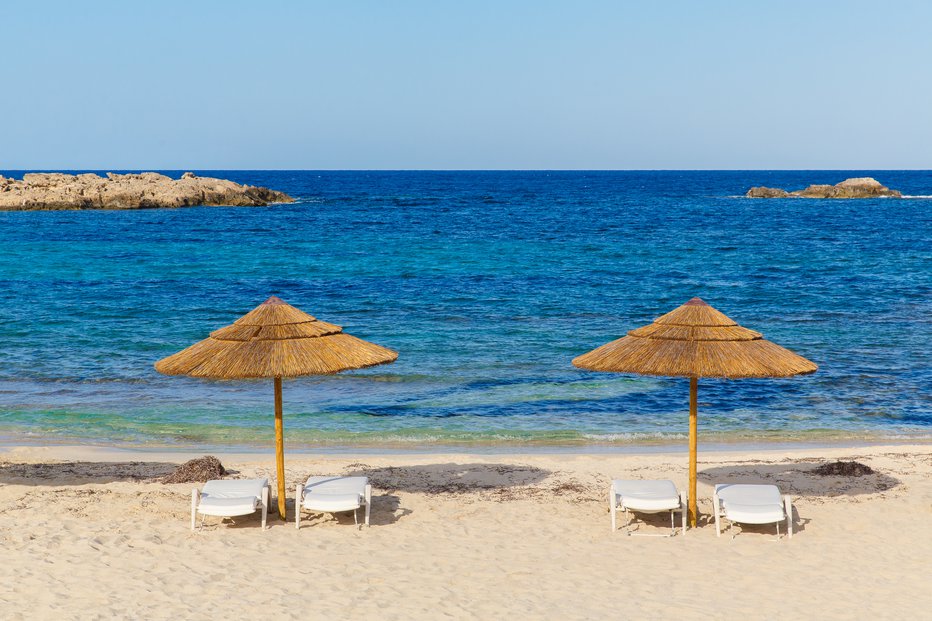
(336, 485)
(747, 495)
(648, 488)
(235, 488)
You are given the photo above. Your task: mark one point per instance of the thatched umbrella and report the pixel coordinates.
(275, 340)
(694, 341)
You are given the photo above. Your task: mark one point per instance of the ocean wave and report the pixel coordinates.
(635, 437)
(60, 428)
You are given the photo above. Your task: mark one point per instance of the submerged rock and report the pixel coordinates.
(856, 187)
(130, 191)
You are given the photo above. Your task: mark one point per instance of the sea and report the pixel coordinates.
(488, 284)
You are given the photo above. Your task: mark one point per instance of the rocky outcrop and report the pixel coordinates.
(856, 187)
(765, 192)
(131, 191)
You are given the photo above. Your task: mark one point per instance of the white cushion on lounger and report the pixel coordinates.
(334, 493)
(751, 504)
(226, 507)
(638, 495)
(332, 502)
(231, 497)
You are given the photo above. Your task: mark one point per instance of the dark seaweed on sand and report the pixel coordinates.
(197, 471)
(843, 468)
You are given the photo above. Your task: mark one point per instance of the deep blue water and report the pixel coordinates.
(488, 284)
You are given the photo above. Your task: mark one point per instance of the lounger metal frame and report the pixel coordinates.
(614, 504)
(299, 506)
(196, 499)
(720, 516)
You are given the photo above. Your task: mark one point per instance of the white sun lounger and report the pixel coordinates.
(646, 497)
(332, 495)
(752, 504)
(230, 498)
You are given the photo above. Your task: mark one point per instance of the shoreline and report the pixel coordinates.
(398, 443)
(109, 452)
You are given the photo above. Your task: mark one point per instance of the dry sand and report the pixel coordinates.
(463, 536)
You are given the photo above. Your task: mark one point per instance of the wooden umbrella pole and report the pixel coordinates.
(693, 446)
(280, 447)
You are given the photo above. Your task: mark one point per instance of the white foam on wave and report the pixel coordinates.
(921, 196)
(634, 436)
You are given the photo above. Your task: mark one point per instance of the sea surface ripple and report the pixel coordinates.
(488, 284)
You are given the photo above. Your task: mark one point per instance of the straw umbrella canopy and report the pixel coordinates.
(275, 340)
(694, 341)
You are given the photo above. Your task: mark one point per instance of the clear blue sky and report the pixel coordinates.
(433, 84)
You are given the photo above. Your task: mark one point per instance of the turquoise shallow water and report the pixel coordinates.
(488, 284)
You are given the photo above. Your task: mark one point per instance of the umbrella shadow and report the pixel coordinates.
(797, 479)
(449, 478)
(83, 472)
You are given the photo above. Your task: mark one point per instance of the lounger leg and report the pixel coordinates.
(788, 507)
(298, 499)
(195, 496)
(611, 505)
(683, 512)
(672, 524)
(355, 520)
(368, 501)
(718, 520)
(265, 505)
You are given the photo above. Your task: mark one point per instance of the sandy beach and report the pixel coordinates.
(91, 533)
(463, 267)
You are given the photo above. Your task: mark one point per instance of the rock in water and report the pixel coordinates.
(131, 191)
(863, 187)
(765, 192)
(816, 191)
(197, 471)
(856, 187)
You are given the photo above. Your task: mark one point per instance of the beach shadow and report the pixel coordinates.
(653, 524)
(797, 479)
(449, 478)
(206, 524)
(737, 530)
(386, 510)
(84, 472)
